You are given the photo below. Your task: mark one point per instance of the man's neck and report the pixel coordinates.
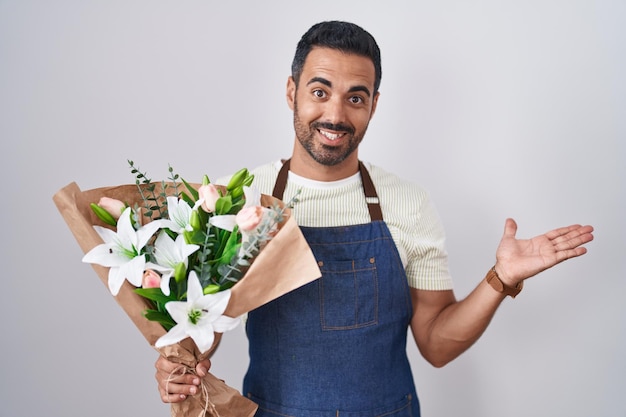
(305, 166)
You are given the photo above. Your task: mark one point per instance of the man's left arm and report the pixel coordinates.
(444, 327)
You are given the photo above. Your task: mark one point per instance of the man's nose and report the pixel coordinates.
(334, 111)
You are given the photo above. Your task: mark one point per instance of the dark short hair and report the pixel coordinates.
(343, 36)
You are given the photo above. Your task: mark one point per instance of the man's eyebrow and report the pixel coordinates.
(360, 88)
(320, 80)
(327, 83)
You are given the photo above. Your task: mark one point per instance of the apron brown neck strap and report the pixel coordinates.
(281, 181)
(371, 197)
(368, 188)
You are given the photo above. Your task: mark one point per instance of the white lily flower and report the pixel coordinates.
(122, 251)
(198, 317)
(179, 214)
(168, 253)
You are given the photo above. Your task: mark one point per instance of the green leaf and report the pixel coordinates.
(195, 237)
(231, 248)
(163, 318)
(187, 199)
(223, 205)
(192, 191)
(154, 294)
(237, 205)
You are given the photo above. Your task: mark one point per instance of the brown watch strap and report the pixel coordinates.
(496, 283)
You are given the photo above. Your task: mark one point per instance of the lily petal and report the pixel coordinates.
(225, 221)
(179, 215)
(103, 255)
(178, 311)
(253, 196)
(224, 323)
(202, 336)
(115, 281)
(133, 270)
(175, 335)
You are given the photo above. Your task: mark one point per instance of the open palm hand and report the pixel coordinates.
(518, 259)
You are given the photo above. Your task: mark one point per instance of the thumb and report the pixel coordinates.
(510, 228)
(202, 368)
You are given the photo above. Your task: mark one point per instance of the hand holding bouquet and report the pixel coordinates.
(186, 260)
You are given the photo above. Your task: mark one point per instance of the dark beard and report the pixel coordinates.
(323, 154)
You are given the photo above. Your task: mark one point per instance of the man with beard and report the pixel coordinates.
(338, 344)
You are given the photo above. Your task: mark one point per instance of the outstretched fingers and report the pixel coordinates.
(567, 241)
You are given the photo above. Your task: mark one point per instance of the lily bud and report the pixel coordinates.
(237, 192)
(248, 181)
(211, 289)
(237, 179)
(194, 220)
(103, 215)
(180, 271)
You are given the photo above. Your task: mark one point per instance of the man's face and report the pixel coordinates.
(332, 104)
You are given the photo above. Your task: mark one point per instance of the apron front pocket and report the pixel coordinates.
(348, 294)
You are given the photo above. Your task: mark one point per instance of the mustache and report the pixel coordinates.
(331, 126)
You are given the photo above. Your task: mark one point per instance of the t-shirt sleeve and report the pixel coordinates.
(427, 263)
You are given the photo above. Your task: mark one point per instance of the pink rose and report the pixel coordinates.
(113, 206)
(150, 279)
(210, 194)
(249, 218)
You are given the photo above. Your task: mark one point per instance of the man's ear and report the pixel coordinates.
(374, 104)
(291, 92)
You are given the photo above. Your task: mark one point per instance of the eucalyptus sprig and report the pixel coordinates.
(152, 200)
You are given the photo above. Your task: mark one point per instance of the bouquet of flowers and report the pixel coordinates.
(185, 261)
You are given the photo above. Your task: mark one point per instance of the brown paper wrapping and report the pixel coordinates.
(284, 264)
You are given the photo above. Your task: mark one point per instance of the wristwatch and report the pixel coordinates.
(496, 283)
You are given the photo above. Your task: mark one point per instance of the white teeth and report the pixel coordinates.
(331, 136)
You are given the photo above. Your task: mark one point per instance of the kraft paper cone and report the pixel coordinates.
(284, 264)
(73, 204)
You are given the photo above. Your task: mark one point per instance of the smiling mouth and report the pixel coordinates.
(331, 136)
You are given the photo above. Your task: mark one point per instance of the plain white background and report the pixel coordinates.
(499, 108)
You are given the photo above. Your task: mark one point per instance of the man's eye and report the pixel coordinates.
(319, 93)
(356, 100)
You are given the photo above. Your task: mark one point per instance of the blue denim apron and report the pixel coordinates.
(336, 347)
